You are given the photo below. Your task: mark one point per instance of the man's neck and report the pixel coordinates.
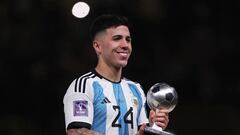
(110, 73)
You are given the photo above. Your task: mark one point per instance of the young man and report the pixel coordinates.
(102, 101)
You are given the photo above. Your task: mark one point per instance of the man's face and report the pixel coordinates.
(114, 46)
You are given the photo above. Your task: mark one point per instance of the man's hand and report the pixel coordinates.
(82, 131)
(141, 130)
(159, 117)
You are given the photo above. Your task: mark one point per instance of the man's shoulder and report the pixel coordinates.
(80, 82)
(131, 81)
(86, 76)
(89, 74)
(134, 85)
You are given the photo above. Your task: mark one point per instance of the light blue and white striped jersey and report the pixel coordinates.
(107, 107)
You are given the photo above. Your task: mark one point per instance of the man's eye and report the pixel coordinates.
(128, 39)
(117, 37)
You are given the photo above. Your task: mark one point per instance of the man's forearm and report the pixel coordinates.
(82, 131)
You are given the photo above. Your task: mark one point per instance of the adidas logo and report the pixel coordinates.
(105, 100)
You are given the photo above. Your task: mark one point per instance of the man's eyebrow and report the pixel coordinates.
(119, 35)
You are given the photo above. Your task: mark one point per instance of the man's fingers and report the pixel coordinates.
(141, 130)
(159, 117)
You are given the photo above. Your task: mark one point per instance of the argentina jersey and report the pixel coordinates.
(110, 108)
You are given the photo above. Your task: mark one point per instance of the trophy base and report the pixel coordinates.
(152, 131)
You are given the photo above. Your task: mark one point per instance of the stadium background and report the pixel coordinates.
(191, 45)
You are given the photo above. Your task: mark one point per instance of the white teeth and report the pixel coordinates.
(123, 53)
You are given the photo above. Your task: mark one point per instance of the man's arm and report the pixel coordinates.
(81, 131)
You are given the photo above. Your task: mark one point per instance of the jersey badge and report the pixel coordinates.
(80, 108)
(135, 101)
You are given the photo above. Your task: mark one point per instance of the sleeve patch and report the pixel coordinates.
(80, 108)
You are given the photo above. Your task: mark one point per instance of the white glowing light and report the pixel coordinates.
(80, 9)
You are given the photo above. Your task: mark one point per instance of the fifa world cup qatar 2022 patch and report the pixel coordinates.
(80, 108)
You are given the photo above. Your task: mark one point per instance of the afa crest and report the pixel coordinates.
(135, 101)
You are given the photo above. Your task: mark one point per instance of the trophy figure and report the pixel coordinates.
(160, 96)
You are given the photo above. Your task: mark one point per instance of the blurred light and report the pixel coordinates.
(80, 9)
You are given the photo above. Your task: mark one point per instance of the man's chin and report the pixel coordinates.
(122, 65)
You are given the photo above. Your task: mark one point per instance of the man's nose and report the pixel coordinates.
(125, 44)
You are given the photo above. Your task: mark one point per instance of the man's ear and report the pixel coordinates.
(97, 46)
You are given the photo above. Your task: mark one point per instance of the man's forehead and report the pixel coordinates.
(122, 29)
(113, 31)
(118, 27)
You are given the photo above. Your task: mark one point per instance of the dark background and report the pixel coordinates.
(191, 45)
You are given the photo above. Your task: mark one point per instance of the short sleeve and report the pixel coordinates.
(78, 106)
